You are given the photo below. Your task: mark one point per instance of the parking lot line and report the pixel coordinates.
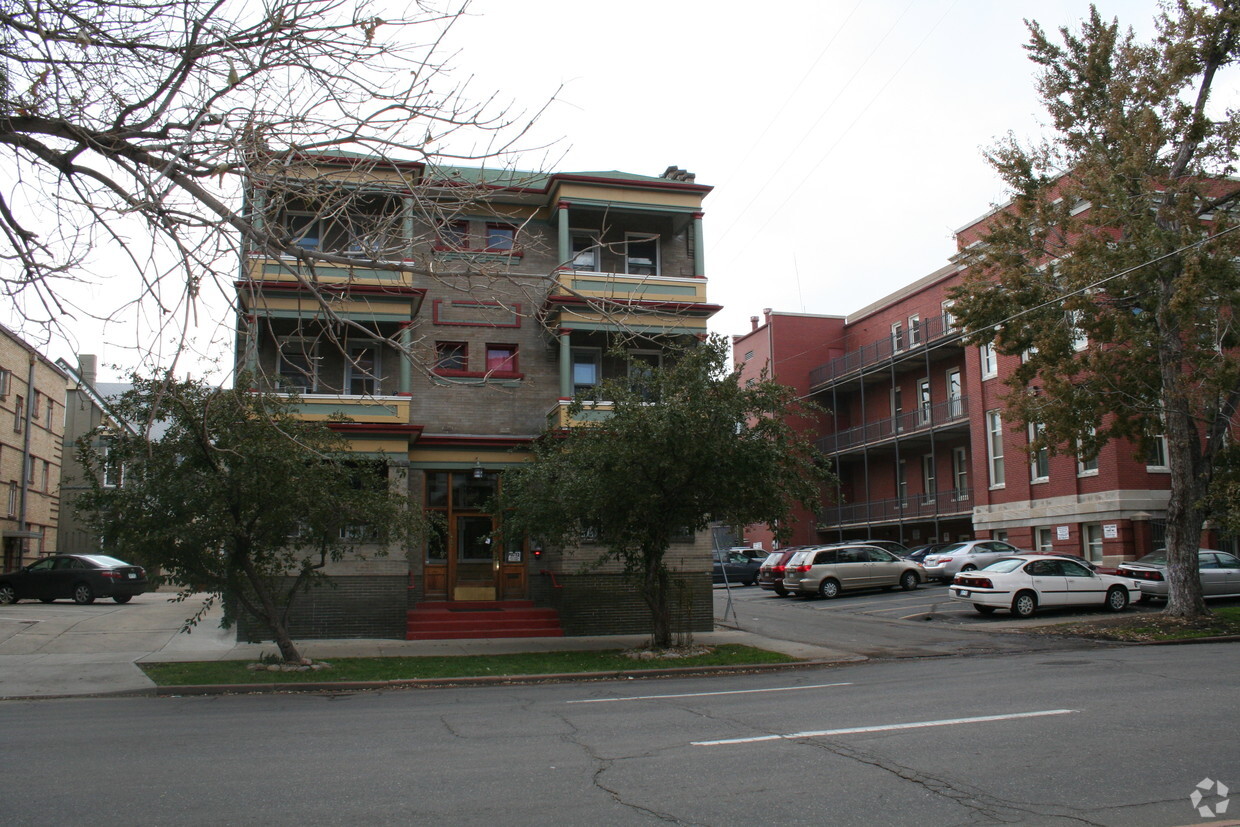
(885, 728)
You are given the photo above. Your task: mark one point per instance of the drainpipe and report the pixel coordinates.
(26, 466)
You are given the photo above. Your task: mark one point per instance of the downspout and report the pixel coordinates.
(26, 464)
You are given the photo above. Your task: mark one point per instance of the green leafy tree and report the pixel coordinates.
(236, 497)
(684, 446)
(1115, 261)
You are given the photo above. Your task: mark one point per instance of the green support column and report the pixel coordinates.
(409, 209)
(699, 247)
(565, 245)
(566, 365)
(250, 363)
(406, 360)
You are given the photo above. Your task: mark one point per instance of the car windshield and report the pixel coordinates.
(104, 560)
(951, 548)
(1158, 558)
(1006, 564)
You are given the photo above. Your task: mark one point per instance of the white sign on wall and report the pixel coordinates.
(1110, 531)
(1061, 532)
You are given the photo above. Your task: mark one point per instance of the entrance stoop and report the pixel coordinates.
(462, 619)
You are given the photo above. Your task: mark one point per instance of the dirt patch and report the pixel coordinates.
(1146, 628)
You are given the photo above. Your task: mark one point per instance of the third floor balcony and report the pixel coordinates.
(952, 413)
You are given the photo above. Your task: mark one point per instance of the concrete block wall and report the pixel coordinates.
(342, 607)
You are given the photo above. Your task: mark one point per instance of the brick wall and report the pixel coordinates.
(608, 604)
(342, 607)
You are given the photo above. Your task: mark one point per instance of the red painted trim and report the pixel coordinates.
(459, 440)
(362, 289)
(474, 374)
(375, 428)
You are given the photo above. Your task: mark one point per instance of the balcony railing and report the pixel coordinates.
(931, 330)
(956, 502)
(632, 288)
(385, 410)
(940, 414)
(591, 414)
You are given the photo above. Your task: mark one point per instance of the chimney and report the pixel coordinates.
(753, 323)
(86, 368)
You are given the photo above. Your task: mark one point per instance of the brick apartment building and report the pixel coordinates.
(506, 294)
(32, 420)
(917, 436)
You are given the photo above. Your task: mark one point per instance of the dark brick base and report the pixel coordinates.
(344, 607)
(607, 604)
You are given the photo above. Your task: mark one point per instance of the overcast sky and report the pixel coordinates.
(843, 138)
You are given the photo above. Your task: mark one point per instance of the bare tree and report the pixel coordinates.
(133, 130)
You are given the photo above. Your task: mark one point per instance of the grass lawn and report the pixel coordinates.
(456, 666)
(1148, 627)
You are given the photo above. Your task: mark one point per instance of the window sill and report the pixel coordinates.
(1157, 469)
(504, 375)
(998, 487)
(1039, 481)
(1082, 474)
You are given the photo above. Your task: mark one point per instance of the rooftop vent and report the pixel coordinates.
(675, 173)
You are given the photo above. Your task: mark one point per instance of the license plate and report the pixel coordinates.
(132, 576)
(962, 592)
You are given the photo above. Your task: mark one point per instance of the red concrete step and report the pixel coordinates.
(475, 619)
(491, 633)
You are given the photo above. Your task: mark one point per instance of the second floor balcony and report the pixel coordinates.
(949, 413)
(956, 502)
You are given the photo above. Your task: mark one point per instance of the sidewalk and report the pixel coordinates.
(65, 650)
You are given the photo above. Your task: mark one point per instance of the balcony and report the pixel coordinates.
(588, 300)
(935, 330)
(957, 502)
(367, 410)
(592, 414)
(909, 423)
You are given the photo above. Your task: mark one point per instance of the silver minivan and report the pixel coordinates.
(829, 571)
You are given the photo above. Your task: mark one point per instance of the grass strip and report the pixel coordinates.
(1156, 627)
(206, 673)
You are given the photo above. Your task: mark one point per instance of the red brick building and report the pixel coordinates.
(918, 438)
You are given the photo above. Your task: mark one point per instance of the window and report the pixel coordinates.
(19, 415)
(305, 230)
(47, 476)
(897, 407)
(924, 408)
(1039, 464)
(586, 370)
(585, 248)
(928, 485)
(1091, 538)
(1155, 459)
(30, 464)
(113, 470)
(949, 320)
(1079, 339)
(960, 473)
(955, 397)
(362, 370)
(914, 330)
(298, 365)
(13, 494)
(36, 406)
(902, 483)
(897, 337)
(1044, 539)
(451, 356)
(501, 238)
(641, 254)
(1086, 466)
(501, 358)
(5, 378)
(994, 448)
(454, 235)
(49, 409)
(990, 361)
(748, 355)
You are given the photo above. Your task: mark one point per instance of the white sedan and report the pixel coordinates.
(1025, 582)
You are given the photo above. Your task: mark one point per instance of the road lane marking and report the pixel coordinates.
(707, 694)
(884, 728)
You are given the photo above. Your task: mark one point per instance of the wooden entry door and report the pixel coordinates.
(473, 566)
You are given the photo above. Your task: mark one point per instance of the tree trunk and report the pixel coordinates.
(270, 614)
(654, 591)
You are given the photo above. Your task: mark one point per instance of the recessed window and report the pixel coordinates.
(897, 336)
(451, 356)
(990, 361)
(454, 235)
(994, 447)
(298, 365)
(5, 378)
(586, 251)
(501, 237)
(641, 254)
(1086, 466)
(362, 371)
(1040, 463)
(949, 320)
(305, 230)
(914, 330)
(501, 358)
(1155, 458)
(19, 415)
(1091, 539)
(586, 368)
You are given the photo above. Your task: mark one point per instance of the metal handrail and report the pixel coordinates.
(929, 331)
(947, 412)
(916, 506)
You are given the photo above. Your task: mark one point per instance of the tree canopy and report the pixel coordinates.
(236, 497)
(677, 447)
(1116, 259)
(131, 129)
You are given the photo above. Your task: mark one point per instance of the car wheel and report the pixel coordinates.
(781, 591)
(82, 594)
(984, 610)
(122, 598)
(1146, 598)
(909, 581)
(1117, 599)
(1024, 604)
(829, 588)
(969, 567)
(8, 594)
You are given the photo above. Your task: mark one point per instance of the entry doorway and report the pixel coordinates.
(465, 559)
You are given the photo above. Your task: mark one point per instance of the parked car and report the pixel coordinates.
(81, 577)
(735, 567)
(1028, 582)
(1220, 574)
(919, 553)
(771, 573)
(967, 556)
(758, 554)
(829, 571)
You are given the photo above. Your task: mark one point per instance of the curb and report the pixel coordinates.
(486, 680)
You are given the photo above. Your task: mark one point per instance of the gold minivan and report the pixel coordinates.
(829, 571)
